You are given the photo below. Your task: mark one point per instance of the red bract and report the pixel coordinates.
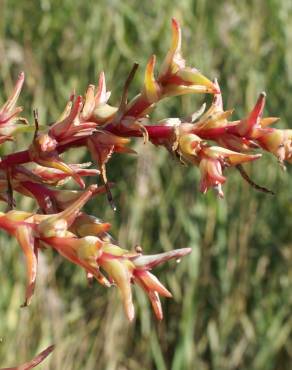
(210, 141)
(9, 113)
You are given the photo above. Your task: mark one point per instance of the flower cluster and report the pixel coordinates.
(83, 240)
(208, 140)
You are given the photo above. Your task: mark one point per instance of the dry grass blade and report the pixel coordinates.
(34, 362)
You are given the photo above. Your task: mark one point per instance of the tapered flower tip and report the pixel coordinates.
(152, 90)
(150, 282)
(69, 119)
(191, 76)
(176, 35)
(89, 103)
(156, 304)
(176, 90)
(18, 87)
(150, 261)
(152, 286)
(267, 121)
(255, 115)
(232, 158)
(9, 113)
(10, 104)
(217, 100)
(102, 95)
(253, 120)
(96, 108)
(173, 60)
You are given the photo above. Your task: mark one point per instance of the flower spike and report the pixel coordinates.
(208, 139)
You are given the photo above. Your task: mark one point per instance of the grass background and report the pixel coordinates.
(232, 296)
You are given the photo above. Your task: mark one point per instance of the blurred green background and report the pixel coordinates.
(232, 296)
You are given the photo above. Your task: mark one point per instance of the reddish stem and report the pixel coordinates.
(154, 132)
(14, 159)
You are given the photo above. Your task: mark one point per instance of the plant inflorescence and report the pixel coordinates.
(207, 139)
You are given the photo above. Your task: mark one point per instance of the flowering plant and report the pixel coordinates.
(209, 140)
